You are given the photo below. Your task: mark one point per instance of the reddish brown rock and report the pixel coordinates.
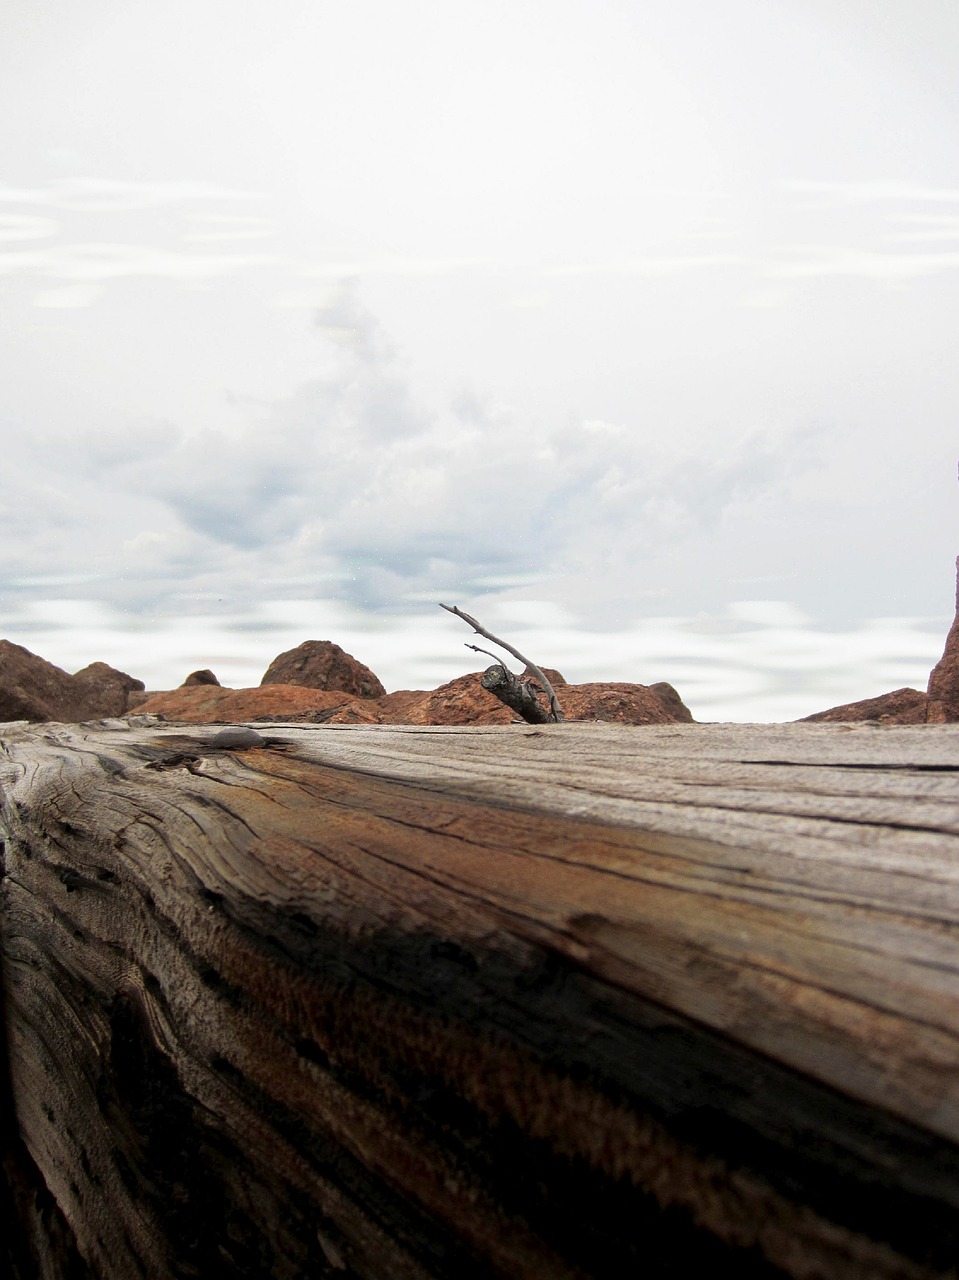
(104, 691)
(403, 706)
(902, 706)
(356, 711)
(33, 689)
(205, 676)
(461, 701)
(556, 679)
(943, 687)
(624, 703)
(672, 702)
(320, 664)
(465, 701)
(197, 704)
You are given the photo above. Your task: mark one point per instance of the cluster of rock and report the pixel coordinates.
(317, 682)
(320, 683)
(33, 689)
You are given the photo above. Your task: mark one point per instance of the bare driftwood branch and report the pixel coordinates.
(489, 654)
(556, 712)
(518, 695)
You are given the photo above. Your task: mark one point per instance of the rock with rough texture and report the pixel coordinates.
(672, 702)
(556, 679)
(33, 689)
(321, 664)
(104, 691)
(404, 706)
(902, 706)
(356, 711)
(623, 703)
(205, 676)
(944, 681)
(199, 703)
(460, 701)
(464, 701)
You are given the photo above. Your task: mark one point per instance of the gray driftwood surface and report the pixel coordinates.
(576, 1000)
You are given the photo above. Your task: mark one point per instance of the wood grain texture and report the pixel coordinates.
(571, 1000)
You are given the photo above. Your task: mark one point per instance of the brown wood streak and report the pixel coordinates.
(422, 990)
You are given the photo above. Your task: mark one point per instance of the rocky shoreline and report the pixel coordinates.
(319, 683)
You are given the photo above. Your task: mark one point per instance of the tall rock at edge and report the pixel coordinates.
(943, 689)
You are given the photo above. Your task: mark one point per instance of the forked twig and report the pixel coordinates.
(555, 709)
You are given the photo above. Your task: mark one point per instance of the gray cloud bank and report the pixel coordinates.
(351, 481)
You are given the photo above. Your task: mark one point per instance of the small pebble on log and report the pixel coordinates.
(236, 737)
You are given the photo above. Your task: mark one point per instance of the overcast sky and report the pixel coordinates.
(629, 327)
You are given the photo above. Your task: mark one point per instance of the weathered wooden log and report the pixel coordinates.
(571, 1001)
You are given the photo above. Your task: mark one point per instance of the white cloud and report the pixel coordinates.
(306, 297)
(117, 261)
(21, 260)
(357, 485)
(123, 209)
(114, 195)
(767, 239)
(819, 260)
(665, 264)
(932, 228)
(769, 613)
(26, 226)
(340, 268)
(212, 228)
(355, 479)
(68, 297)
(882, 191)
